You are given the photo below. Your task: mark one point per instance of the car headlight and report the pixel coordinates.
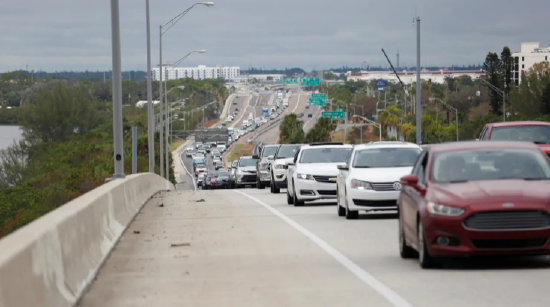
(360, 185)
(263, 166)
(305, 177)
(279, 166)
(440, 209)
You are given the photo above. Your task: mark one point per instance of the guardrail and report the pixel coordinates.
(256, 148)
(265, 129)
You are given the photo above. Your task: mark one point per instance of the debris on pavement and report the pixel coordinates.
(200, 201)
(136, 231)
(161, 205)
(180, 244)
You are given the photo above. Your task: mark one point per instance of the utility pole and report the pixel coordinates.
(418, 86)
(161, 106)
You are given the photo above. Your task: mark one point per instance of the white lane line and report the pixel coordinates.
(395, 299)
(185, 168)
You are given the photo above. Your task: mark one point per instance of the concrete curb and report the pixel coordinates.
(52, 261)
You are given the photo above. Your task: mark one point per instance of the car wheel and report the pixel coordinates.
(426, 260)
(405, 251)
(297, 202)
(341, 210)
(275, 189)
(350, 215)
(259, 184)
(289, 199)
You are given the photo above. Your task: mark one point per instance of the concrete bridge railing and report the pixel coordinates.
(52, 261)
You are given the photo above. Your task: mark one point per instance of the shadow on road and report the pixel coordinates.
(378, 216)
(498, 263)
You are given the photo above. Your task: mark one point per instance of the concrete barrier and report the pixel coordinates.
(227, 105)
(52, 261)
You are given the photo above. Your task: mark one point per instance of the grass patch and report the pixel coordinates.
(174, 145)
(238, 151)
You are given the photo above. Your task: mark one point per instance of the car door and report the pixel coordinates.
(290, 172)
(410, 196)
(341, 180)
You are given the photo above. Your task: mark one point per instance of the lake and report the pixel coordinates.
(8, 134)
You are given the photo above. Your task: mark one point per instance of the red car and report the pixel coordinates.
(475, 198)
(531, 131)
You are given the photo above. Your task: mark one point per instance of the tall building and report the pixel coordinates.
(530, 54)
(200, 72)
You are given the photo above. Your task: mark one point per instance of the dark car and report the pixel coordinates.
(222, 180)
(529, 131)
(300, 115)
(475, 198)
(310, 115)
(307, 106)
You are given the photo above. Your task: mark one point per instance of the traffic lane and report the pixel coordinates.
(271, 136)
(316, 113)
(242, 109)
(210, 253)
(372, 243)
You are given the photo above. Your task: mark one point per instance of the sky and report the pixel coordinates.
(57, 35)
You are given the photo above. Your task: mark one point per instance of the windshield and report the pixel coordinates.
(325, 155)
(287, 152)
(248, 162)
(385, 157)
(491, 164)
(269, 151)
(538, 134)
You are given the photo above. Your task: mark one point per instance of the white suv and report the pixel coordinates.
(284, 155)
(312, 174)
(370, 179)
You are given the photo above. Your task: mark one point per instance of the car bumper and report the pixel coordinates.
(370, 200)
(313, 190)
(467, 242)
(247, 179)
(264, 176)
(279, 177)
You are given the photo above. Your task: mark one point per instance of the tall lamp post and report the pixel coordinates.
(501, 93)
(452, 109)
(372, 123)
(163, 29)
(150, 107)
(418, 85)
(117, 91)
(167, 127)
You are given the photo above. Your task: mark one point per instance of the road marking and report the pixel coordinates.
(185, 168)
(395, 299)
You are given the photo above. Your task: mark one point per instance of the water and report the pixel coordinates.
(8, 134)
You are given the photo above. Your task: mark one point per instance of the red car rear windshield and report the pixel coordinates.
(493, 164)
(534, 133)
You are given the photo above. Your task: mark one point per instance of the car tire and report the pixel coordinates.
(296, 201)
(274, 187)
(426, 260)
(405, 251)
(289, 199)
(259, 184)
(350, 215)
(341, 210)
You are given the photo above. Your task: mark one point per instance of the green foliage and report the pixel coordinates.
(493, 73)
(321, 131)
(291, 130)
(59, 113)
(545, 103)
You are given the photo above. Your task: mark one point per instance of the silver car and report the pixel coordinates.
(245, 173)
(265, 157)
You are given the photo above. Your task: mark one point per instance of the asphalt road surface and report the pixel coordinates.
(249, 248)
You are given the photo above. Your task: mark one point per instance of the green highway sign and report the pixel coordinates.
(373, 115)
(291, 81)
(309, 81)
(315, 102)
(339, 110)
(319, 96)
(333, 115)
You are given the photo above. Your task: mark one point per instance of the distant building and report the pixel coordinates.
(409, 77)
(200, 72)
(530, 54)
(266, 78)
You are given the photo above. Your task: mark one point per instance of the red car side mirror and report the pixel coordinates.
(410, 180)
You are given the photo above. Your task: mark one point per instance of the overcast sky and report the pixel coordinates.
(76, 34)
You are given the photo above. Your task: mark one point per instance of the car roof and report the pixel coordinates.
(246, 157)
(272, 145)
(326, 146)
(474, 145)
(519, 123)
(386, 145)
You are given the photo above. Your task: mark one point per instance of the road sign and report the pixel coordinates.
(373, 115)
(315, 102)
(306, 81)
(333, 115)
(381, 83)
(319, 96)
(339, 110)
(291, 81)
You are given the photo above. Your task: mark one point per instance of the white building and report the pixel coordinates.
(409, 77)
(200, 72)
(259, 77)
(530, 54)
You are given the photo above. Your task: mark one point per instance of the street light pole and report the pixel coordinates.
(117, 91)
(372, 123)
(150, 107)
(418, 86)
(502, 93)
(452, 109)
(161, 98)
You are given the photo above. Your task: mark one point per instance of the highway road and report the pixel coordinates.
(249, 248)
